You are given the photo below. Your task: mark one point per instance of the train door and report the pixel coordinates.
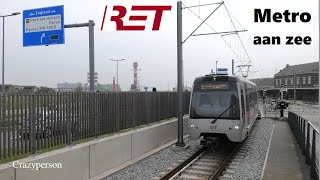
(243, 112)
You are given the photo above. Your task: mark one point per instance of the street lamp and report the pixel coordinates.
(216, 67)
(13, 14)
(117, 60)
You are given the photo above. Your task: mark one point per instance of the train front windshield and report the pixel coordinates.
(215, 100)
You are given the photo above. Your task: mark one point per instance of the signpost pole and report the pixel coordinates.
(3, 56)
(91, 54)
(91, 25)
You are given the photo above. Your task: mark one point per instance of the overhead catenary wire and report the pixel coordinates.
(214, 31)
(242, 55)
(228, 12)
(245, 50)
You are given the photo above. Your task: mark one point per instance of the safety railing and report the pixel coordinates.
(37, 121)
(307, 135)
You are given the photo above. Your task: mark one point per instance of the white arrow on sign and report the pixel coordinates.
(42, 36)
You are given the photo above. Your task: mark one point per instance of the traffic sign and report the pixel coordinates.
(43, 26)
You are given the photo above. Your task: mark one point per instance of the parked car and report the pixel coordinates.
(45, 126)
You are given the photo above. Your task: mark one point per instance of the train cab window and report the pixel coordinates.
(211, 100)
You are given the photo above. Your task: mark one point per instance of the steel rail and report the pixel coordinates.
(183, 164)
(222, 167)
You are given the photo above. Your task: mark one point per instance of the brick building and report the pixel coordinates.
(304, 78)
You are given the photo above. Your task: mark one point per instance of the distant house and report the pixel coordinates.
(28, 89)
(302, 79)
(263, 83)
(7, 87)
(304, 76)
(68, 86)
(17, 88)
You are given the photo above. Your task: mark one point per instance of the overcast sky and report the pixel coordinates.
(155, 52)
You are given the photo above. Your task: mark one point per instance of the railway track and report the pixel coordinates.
(204, 164)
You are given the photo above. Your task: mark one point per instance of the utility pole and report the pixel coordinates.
(180, 74)
(117, 60)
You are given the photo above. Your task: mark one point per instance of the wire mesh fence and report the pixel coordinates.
(308, 139)
(32, 122)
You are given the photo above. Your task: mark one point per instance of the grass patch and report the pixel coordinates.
(126, 130)
(13, 158)
(83, 140)
(51, 148)
(106, 135)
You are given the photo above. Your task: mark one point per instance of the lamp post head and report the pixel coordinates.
(15, 13)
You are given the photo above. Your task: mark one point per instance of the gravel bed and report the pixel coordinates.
(252, 163)
(152, 166)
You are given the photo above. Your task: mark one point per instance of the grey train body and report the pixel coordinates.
(222, 106)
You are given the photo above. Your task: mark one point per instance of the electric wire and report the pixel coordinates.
(215, 32)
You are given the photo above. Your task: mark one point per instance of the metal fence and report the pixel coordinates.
(32, 122)
(307, 136)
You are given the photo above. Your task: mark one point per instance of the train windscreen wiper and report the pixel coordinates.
(222, 114)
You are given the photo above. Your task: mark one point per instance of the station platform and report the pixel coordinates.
(284, 159)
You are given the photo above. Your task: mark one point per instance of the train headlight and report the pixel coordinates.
(236, 127)
(192, 125)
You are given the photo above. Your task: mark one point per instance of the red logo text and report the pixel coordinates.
(122, 12)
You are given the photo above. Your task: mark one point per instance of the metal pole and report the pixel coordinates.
(180, 74)
(117, 60)
(216, 67)
(232, 67)
(90, 25)
(117, 77)
(2, 55)
(91, 54)
(294, 89)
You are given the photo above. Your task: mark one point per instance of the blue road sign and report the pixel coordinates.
(43, 26)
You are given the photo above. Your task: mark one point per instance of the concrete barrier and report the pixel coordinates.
(74, 161)
(110, 152)
(144, 140)
(7, 172)
(167, 132)
(87, 160)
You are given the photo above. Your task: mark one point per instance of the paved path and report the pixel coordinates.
(285, 160)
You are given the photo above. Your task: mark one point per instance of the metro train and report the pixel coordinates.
(222, 107)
